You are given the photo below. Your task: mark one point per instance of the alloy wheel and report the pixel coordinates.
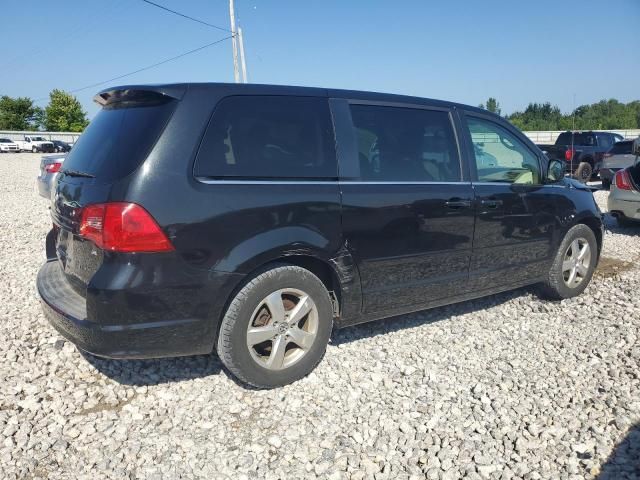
(282, 328)
(575, 265)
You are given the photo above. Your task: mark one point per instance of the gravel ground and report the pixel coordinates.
(503, 387)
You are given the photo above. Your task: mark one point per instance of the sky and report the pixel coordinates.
(458, 50)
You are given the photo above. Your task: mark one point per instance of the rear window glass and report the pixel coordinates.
(621, 148)
(269, 137)
(578, 139)
(118, 139)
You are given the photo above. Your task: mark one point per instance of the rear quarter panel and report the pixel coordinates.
(230, 226)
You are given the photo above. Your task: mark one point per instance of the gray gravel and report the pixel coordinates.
(503, 387)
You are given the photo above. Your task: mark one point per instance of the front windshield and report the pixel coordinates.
(5, 140)
(37, 139)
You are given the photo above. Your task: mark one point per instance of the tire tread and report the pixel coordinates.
(231, 316)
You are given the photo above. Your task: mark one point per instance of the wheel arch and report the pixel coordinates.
(338, 274)
(595, 225)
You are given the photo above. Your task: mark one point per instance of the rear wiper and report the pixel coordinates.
(77, 173)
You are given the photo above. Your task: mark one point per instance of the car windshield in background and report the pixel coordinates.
(117, 140)
(578, 139)
(38, 139)
(5, 140)
(621, 148)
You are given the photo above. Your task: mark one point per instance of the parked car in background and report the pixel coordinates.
(618, 157)
(49, 167)
(581, 152)
(624, 197)
(61, 147)
(35, 143)
(251, 219)
(7, 145)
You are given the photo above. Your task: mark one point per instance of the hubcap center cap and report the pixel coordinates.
(282, 328)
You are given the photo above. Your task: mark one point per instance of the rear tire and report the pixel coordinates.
(34, 150)
(583, 172)
(266, 307)
(571, 271)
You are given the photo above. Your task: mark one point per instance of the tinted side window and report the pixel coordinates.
(269, 137)
(500, 155)
(605, 141)
(405, 144)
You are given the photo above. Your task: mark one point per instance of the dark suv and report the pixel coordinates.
(252, 219)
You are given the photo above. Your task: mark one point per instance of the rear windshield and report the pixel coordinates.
(578, 139)
(118, 139)
(621, 148)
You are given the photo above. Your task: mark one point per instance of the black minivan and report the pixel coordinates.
(252, 219)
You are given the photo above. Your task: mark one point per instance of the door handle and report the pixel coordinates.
(458, 203)
(491, 203)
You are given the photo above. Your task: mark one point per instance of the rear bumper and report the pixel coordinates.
(626, 204)
(66, 310)
(44, 186)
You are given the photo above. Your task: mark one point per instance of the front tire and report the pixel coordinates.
(277, 327)
(34, 150)
(573, 265)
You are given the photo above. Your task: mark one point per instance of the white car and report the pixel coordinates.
(624, 198)
(7, 145)
(617, 158)
(35, 143)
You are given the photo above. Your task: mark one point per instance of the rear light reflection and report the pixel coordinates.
(568, 154)
(122, 227)
(623, 180)
(53, 167)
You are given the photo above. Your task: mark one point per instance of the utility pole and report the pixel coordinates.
(234, 41)
(242, 61)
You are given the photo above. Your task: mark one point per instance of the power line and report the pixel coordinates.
(187, 16)
(143, 68)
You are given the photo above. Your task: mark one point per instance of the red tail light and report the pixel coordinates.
(53, 167)
(623, 181)
(122, 227)
(568, 154)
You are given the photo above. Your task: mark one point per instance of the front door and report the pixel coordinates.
(407, 210)
(515, 213)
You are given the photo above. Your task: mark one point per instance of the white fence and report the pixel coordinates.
(550, 136)
(69, 137)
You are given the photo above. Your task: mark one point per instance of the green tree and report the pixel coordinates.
(19, 114)
(603, 115)
(492, 105)
(538, 116)
(64, 113)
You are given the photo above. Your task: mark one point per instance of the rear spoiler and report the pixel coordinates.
(140, 94)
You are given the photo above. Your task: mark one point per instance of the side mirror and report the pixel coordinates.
(555, 172)
(635, 149)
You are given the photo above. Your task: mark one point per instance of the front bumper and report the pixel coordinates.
(67, 312)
